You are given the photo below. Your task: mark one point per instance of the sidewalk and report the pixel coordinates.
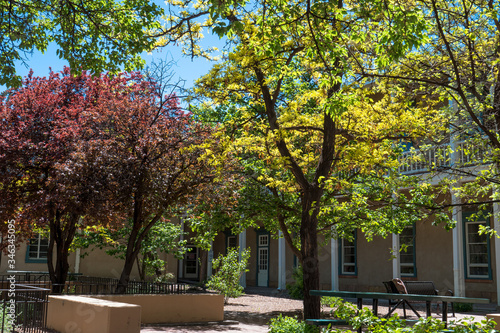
(253, 311)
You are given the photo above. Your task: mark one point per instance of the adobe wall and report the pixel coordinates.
(174, 308)
(373, 263)
(91, 315)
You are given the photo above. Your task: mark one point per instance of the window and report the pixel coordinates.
(348, 256)
(191, 262)
(477, 249)
(407, 265)
(231, 242)
(37, 250)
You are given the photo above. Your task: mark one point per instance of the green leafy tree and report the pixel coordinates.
(164, 237)
(99, 35)
(303, 121)
(459, 63)
(229, 269)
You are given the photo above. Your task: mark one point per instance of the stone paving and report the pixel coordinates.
(252, 312)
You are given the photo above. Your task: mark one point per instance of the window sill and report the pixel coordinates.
(36, 261)
(409, 278)
(486, 280)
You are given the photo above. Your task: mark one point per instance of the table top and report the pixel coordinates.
(409, 297)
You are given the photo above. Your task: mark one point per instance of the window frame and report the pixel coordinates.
(413, 253)
(466, 222)
(342, 263)
(39, 259)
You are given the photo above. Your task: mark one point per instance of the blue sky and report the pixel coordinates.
(185, 68)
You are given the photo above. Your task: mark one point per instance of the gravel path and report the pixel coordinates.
(253, 311)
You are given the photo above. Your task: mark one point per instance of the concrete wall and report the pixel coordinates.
(90, 315)
(184, 308)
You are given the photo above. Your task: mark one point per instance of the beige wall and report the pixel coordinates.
(90, 315)
(98, 263)
(434, 255)
(184, 308)
(374, 265)
(22, 265)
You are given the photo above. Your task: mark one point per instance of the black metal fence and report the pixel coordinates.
(23, 308)
(89, 285)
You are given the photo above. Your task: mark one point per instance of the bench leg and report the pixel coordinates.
(445, 314)
(412, 309)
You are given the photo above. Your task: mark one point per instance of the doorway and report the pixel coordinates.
(263, 260)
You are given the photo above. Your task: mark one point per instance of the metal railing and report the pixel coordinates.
(89, 285)
(440, 157)
(23, 308)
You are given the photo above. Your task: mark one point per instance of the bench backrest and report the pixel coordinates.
(421, 287)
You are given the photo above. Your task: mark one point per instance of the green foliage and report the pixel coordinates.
(463, 307)
(163, 237)
(290, 325)
(6, 320)
(229, 269)
(296, 289)
(90, 34)
(348, 311)
(340, 308)
(305, 124)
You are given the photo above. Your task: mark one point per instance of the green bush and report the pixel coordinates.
(290, 325)
(8, 325)
(296, 289)
(395, 324)
(463, 307)
(229, 269)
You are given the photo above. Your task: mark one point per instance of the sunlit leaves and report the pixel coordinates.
(97, 35)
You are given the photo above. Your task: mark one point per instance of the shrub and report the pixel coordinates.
(229, 269)
(395, 324)
(296, 290)
(463, 307)
(290, 325)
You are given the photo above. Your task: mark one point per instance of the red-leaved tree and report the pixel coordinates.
(80, 150)
(40, 126)
(150, 150)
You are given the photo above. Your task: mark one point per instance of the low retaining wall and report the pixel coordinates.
(496, 318)
(92, 315)
(174, 308)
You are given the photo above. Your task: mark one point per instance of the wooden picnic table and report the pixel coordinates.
(375, 296)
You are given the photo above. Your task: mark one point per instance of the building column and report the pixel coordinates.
(281, 262)
(396, 272)
(496, 224)
(243, 244)
(458, 248)
(210, 257)
(334, 261)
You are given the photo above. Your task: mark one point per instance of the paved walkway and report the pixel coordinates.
(256, 308)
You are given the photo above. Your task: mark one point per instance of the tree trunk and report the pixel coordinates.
(62, 237)
(121, 288)
(134, 243)
(133, 247)
(203, 266)
(309, 251)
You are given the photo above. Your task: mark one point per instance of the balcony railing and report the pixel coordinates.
(441, 157)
